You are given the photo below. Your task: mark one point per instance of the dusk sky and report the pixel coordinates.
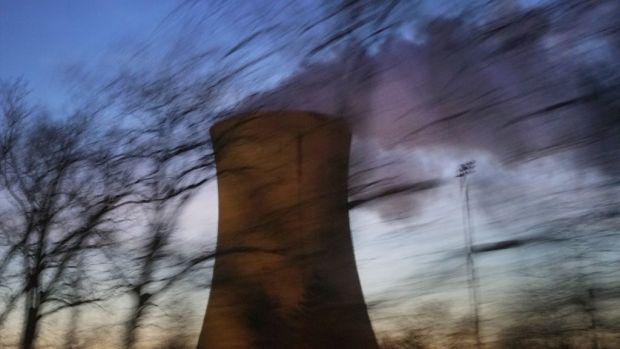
(40, 39)
(432, 92)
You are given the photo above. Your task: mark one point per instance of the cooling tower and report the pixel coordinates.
(285, 274)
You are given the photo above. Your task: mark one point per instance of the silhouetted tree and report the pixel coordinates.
(60, 189)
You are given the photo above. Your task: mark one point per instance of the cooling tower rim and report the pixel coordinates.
(221, 126)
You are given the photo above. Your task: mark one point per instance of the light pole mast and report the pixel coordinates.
(472, 278)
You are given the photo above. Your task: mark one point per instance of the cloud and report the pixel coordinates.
(516, 88)
(535, 82)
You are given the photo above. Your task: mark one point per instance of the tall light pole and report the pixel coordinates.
(472, 279)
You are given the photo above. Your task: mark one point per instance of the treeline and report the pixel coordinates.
(90, 205)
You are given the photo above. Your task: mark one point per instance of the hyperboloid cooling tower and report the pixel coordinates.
(284, 275)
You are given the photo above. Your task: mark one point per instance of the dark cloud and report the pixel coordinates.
(516, 87)
(531, 83)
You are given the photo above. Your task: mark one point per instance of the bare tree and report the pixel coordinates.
(60, 189)
(155, 267)
(167, 115)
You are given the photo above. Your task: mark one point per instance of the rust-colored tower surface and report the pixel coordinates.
(285, 273)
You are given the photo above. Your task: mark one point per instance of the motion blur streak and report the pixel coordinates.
(473, 196)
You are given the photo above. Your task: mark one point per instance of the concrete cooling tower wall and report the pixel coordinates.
(285, 274)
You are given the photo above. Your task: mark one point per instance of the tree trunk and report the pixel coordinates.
(71, 341)
(133, 323)
(31, 320)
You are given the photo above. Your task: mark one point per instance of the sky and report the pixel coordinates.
(425, 112)
(40, 39)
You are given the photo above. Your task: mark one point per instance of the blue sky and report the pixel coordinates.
(39, 39)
